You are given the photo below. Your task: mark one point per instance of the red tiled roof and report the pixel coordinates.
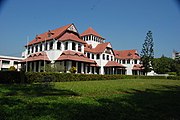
(37, 57)
(126, 54)
(75, 56)
(98, 49)
(113, 64)
(54, 34)
(71, 36)
(91, 31)
(137, 67)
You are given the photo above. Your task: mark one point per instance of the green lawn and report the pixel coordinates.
(92, 100)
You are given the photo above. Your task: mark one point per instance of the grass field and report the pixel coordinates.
(92, 100)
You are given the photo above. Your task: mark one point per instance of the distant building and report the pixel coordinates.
(175, 55)
(88, 52)
(7, 61)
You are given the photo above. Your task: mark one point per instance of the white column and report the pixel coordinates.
(82, 48)
(69, 45)
(77, 67)
(85, 71)
(55, 45)
(34, 67)
(102, 70)
(90, 70)
(43, 46)
(76, 46)
(82, 68)
(62, 46)
(69, 64)
(39, 67)
(95, 70)
(48, 45)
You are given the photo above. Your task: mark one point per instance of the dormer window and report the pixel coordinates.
(50, 33)
(129, 54)
(37, 37)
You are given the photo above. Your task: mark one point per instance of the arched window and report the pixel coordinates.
(107, 57)
(73, 46)
(79, 47)
(111, 58)
(59, 45)
(66, 45)
(103, 56)
(123, 61)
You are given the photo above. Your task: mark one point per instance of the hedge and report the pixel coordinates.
(66, 77)
(174, 77)
(8, 77)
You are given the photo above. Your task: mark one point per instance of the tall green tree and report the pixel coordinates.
(147, 53)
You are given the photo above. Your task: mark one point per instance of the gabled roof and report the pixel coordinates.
(114, 64)
(126, 54)
(50, 34)
(39, 56)
(91, 31)
(71, 36)
(75, 56)
(98, 49)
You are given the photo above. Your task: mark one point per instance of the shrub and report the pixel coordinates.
(12, 68)
(73, 70)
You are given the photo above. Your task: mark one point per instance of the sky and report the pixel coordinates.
(124, 23)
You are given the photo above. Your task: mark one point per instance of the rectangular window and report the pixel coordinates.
(15, 62)
(5, 62)
(128, 61)
(66, 45)
(123, 61)
(40, 47)
(111, 58)
(28, 50)
(51, 46)
(92, 56)
(36, 48)
(97, 56)
(135, 61)
(88, 55)
(46, 46)
(32, 50)
(79, 47)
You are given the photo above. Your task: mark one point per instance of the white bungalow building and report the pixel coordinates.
(7, 61)
(88, 52)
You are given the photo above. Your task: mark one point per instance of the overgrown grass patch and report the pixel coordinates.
(133, 99)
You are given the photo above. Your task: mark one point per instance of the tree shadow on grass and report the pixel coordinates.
(36, 90)
(134, 104)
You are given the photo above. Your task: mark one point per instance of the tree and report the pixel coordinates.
(147, 53)
(163, 65)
